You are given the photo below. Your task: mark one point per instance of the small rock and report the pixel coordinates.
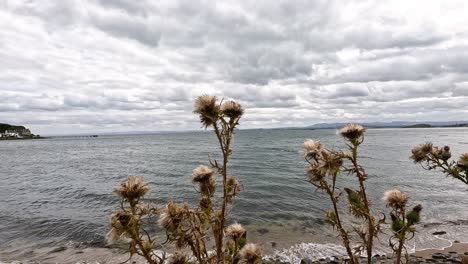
(439, 256)
(439, 233)
(306, 261)
(466, 253)
(273, 244)
(59, 249)
(456, 241)
(263, 231)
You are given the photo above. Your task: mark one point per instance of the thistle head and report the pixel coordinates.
(171, 218)
(202, 173)
(395, 199)
(251, 254)
(420, 153)
(233, 186)
(463, 161)
(133, 188)
(235, 231)
(204, 176)
(178, 258)
(352, 132)
(311, 148)
(206, 106)
(232, 109)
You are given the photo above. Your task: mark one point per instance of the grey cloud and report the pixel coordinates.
(106, 64)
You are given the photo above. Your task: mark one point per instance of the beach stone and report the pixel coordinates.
(58, 249)
(439, 233)
(273, 244)
(439, 256)
(306, 261)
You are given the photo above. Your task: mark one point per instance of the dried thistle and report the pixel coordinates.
(395, 198)
(250, 254)
(235, 231)
(206, 106)
(134, 188)
(232, 109)
(172, 216)
(205, 177)
(463, 161)
(352, 132)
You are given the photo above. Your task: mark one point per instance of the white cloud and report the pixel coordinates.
(107, 65)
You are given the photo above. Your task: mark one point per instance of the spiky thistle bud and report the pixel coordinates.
(133, 188)
(414, 216)
(395, 198)
(172, 216)
(202, 173)
(250, 254)
(235, 231)
(208, 109)
(232, 109)
(352, 132)
(445, 153)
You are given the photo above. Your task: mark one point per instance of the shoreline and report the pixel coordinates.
(456, 253)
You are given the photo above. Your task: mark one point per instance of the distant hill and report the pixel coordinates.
(418, 126)
(394, 124)
(4, 127)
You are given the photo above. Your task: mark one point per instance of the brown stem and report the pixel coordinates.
(343, 232)
(369, 218)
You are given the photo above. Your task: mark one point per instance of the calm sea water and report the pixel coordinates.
(58, 192)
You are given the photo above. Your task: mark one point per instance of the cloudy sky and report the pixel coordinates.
(125, 65)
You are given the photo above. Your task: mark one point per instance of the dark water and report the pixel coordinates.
(57, 192)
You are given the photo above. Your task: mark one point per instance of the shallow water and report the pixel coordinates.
(57, 192)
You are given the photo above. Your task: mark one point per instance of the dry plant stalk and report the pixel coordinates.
(188, 227)
(403, 222)
(431, 158)
(324, 168)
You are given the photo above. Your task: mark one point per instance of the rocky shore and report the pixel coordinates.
(457, 253)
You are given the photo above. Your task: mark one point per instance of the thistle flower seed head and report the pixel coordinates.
(251, 254)
(311, 147)
(208, 109)
(232, 109)
(421, 152)
(202, 173)
(133, 188)
(463, 161)
(172, 216)
(352, 132)
(396, 199)
(235, 231)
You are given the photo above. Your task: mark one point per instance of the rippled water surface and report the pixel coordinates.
(58, 192)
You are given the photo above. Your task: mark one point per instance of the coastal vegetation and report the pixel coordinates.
(431, 157)
(185, 226)
(325, 170)
(211, 236)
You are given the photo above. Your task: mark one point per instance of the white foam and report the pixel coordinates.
(312, 251)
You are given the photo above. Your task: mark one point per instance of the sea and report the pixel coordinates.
(56, 194)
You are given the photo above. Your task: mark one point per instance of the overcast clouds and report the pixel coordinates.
(120, 65)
